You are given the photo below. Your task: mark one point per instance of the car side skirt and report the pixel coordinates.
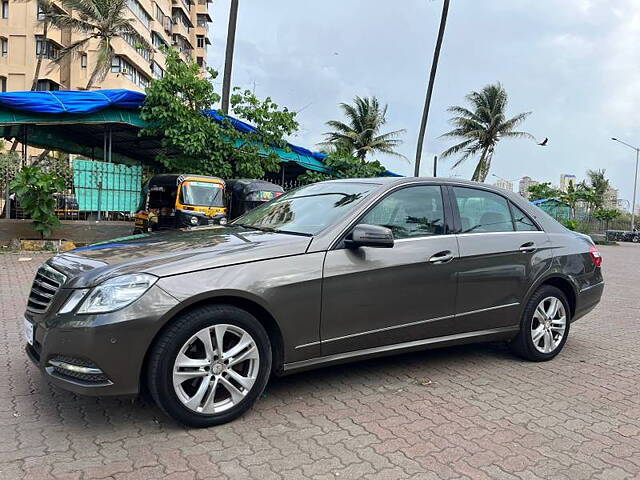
(502, 333)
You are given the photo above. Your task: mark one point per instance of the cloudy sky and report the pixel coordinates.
(573, 63)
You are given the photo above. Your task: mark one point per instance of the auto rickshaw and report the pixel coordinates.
(246, 194)
(171, 201)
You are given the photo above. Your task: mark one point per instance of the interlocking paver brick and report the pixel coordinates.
(463, 412)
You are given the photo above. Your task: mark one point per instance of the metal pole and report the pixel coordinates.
(228, 58)
(435, 166)
(432, 77)
(635, 187)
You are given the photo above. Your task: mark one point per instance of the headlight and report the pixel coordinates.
(117, 293)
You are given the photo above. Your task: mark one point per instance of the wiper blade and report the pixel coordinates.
(272, 230)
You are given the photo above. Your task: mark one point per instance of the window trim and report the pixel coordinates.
(338, 242)
(512, 205)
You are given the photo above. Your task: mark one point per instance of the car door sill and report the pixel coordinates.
(398, 347)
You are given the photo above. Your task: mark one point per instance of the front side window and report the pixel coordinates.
(411, 212)
(309, 209)
(522, 221)
(482, 211)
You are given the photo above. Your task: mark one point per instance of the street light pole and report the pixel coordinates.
(432, 77)
(228, 57)
(635, 182)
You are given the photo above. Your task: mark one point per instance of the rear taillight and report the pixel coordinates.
(595, 256)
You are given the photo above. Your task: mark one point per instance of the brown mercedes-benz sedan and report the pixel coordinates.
(331, 272)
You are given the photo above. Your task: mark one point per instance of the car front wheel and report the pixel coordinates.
(545, 325)
(210, 366)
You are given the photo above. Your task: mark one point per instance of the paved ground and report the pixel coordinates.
(471, 412)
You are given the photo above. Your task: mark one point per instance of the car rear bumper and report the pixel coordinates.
(587, 299)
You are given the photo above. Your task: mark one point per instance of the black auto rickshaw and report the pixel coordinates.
(171, 201)
(246, 194)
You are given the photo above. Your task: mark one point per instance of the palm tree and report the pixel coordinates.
(103, 20)
(481, 127)
(361, 134)
(599, 185)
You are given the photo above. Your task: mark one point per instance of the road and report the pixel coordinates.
(467, 412)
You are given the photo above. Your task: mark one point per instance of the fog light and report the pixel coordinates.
(194, 220)
(223, 221)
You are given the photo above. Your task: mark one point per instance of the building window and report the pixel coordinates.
(5, 8)
(202, 21)
(122, 66)
(158, 41)
(4, 46)
(3, 84)
(47, 86)
(159, 13)
(201, 41)
(83, 60)
(47, 48)
(157, 70)
(139, 12)
(41, 12)
(201, 63)
(133, 41)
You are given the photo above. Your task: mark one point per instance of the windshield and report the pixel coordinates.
(203, 194)
(307, 210)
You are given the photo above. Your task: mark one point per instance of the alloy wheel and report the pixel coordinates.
(548, 325)
(216, 368)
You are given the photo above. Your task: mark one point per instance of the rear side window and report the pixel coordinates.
(522, 221)
(482, 211)
(410, 212)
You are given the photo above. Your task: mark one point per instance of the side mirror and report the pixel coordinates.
(365, 235)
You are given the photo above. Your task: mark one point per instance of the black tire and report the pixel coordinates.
(162, 357)
(523, 344)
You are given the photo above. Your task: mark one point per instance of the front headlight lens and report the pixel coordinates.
(117, 293)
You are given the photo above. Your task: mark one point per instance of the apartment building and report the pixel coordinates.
(504, 184)
(523, 187)
(181, 24)
(567, 179)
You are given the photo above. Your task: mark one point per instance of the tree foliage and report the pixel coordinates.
(194, 142)
(34, 188)
(481, 127)
(542, 191)
(343, 165)
(361, 135)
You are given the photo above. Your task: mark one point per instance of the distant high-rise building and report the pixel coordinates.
(611, 198)
(523, 187)
(566, 180)
(504, 184)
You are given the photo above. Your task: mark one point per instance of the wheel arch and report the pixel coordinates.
(561, 282)
(266, 319)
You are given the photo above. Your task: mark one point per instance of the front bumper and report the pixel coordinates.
(106, 352)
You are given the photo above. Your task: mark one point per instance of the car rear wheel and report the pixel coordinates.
(545, 325)
(210, 366)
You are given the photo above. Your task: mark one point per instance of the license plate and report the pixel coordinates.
(28, 331)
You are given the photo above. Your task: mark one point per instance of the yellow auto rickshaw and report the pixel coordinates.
(171, 201)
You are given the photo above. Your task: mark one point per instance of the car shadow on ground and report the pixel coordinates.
(56, 406)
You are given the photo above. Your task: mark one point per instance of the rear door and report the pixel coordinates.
(384, 296)
(502, 251)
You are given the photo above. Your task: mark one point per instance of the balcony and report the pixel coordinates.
(182, 6)
(181, 29)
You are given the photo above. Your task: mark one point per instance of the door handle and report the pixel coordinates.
(528, 247)
(441, 257)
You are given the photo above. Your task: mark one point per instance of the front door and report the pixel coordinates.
(502, 251)
(385, 296)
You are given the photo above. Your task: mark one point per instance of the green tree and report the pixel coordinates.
(102, 20)
(599, 184)
(361, 135)
(34, 188)
(198, 143)
(606, 215)
(542, 191)
(343, 165)
(481, 127)
(571, 197)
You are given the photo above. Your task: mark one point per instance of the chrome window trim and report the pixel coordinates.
(410, 324)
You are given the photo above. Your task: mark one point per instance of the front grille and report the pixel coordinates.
(65, 367)
(44, 288)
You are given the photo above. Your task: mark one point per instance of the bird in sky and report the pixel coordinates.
(544, 142)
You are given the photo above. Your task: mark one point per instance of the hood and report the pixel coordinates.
(174, 252)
